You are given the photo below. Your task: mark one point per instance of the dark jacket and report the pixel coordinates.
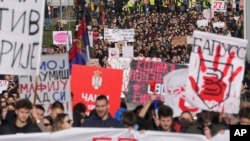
(95, 121)
(10, 127)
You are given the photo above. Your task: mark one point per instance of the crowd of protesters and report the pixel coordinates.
(21, 116)
(155, 26)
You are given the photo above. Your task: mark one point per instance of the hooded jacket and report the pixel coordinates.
(9, 127)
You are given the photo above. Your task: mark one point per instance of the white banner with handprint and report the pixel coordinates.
(216, 71)
(175, 87)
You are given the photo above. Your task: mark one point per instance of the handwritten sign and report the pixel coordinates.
(53, 85)
(21, 30)
(216, 70)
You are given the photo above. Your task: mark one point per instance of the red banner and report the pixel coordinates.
(88, 83)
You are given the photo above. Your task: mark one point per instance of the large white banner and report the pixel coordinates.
(216, 70)
(109, 134)
(116, 35)
(53, 84)
(61, 2)
(21, 30)
(175, 92)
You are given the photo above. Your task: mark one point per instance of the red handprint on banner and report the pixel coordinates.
(214, 79)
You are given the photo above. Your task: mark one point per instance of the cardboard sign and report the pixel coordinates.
(179, 40)
(216, 70)
(21, 31)
(89, 82)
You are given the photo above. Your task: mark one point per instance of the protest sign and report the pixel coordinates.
(201, 23)
(128, 51)
(116, 35)
(218, 24)
(3, 85)
(61, 37)
(175, 88)
(113, 53)
(53, 84)
(218, 5)
(142, 72)
(21, 31)
(179, 40)
(216, 71)
(89, 82)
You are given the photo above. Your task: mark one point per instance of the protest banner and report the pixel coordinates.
(175, 88)
(3, 85)
(116, 35)
(53, 84)
(21, 31)
(109, 134)
(216, 71)
(88, 83)
(61, 2)
(142, 72)
(61, 37)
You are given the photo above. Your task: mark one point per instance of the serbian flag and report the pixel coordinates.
(78, 54)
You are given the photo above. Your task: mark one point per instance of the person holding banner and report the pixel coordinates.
(20, 122)
(101, 117)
